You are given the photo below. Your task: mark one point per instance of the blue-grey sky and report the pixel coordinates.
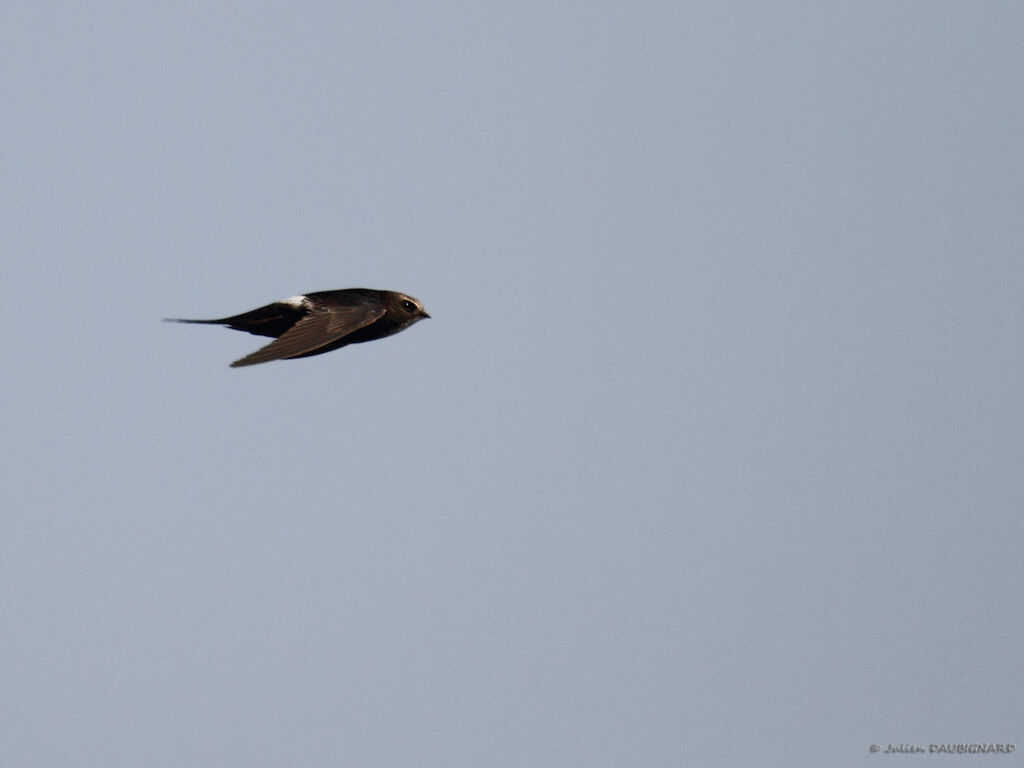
(710, 455)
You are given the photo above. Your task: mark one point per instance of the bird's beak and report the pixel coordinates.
(424, 314)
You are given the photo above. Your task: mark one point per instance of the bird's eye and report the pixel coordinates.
(408, 306)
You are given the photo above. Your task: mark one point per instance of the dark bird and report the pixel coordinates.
(314, 323)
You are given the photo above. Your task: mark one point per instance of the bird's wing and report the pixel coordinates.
(317, 329)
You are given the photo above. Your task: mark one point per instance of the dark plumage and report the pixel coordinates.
(314, 323)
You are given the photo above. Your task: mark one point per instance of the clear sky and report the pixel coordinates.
(710, 455)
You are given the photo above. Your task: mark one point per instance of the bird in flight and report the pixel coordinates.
(314, 323)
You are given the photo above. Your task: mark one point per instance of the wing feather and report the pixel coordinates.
(316, 330)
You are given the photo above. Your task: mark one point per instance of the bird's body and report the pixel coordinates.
(314, 323)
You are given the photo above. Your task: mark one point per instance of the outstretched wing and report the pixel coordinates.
(319, 328)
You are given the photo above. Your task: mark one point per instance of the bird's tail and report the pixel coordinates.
(271, 320)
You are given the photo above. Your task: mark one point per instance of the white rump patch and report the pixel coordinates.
(298, 302)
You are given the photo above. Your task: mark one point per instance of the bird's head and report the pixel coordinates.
(404, 307)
